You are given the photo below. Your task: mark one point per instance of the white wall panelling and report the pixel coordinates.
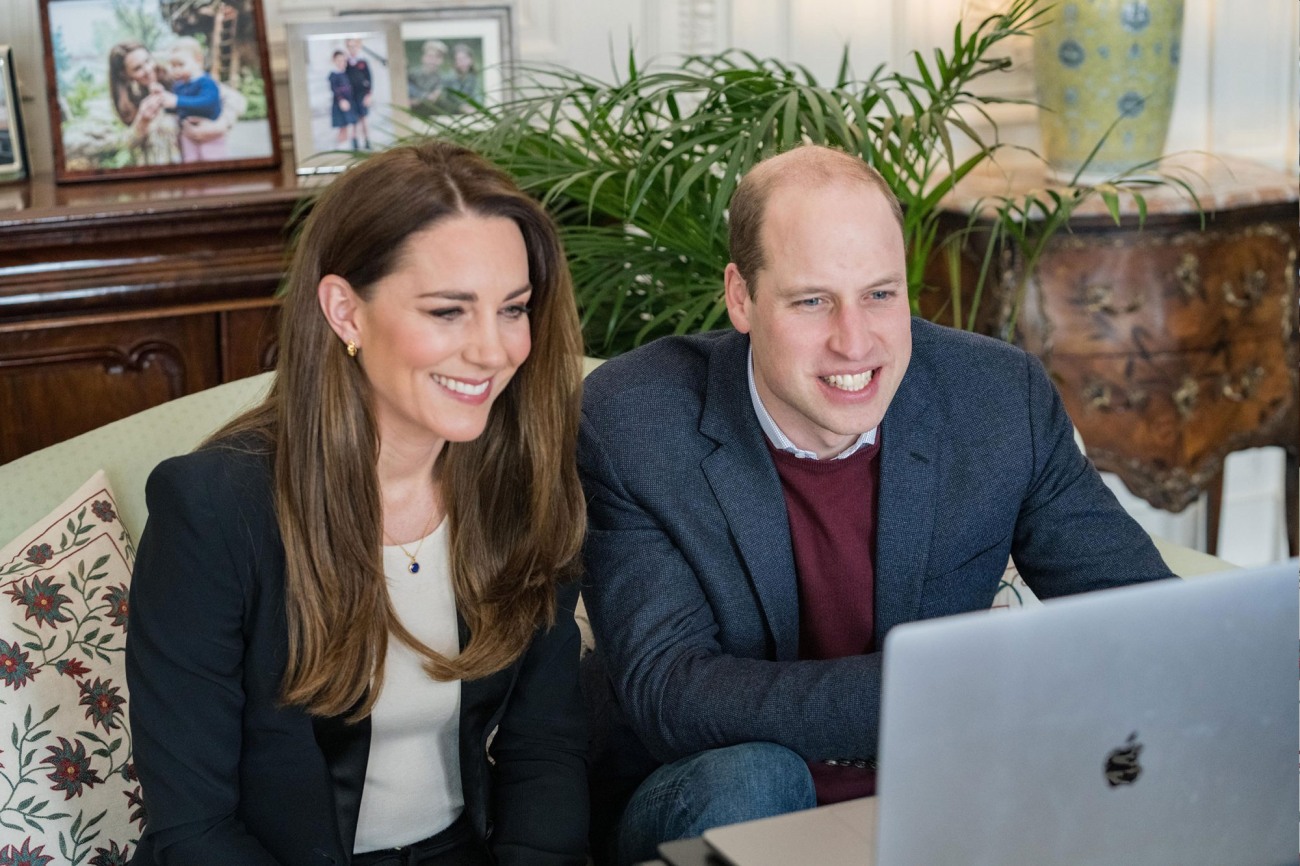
(1239, 90)
(762, 27)
(1253, 64)
(539, 38)
(1189, 127)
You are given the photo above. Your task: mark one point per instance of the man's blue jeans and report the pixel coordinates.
(709, 789)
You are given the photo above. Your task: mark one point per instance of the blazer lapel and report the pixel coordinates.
(482, 702)
(909, 467)
(748, 491)
(346, 748)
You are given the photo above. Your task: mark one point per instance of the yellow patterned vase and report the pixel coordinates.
(1104, 62)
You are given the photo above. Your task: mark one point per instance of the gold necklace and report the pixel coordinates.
(412, 566)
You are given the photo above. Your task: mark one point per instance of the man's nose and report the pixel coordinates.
(851, 336)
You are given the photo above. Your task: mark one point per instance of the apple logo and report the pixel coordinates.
(1122, 764)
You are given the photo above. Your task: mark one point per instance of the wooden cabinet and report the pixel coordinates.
(115, 297)
(1172, 346)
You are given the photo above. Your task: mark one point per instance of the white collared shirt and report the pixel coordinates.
(779, 440)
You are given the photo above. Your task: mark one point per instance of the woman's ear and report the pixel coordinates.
(342, 308)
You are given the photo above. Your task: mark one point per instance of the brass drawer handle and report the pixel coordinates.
(1186, 396)
(1244, 387)
(1253, 287)
(1101, 299)
(1104, 397)
(1188, 274)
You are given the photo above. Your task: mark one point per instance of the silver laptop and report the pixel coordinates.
(1151, 724)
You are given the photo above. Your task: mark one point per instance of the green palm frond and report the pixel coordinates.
(639, 171)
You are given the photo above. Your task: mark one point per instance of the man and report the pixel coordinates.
(765, 504)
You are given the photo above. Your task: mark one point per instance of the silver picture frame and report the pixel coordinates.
(13, 144)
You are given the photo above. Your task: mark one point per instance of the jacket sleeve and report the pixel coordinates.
(184, 663)
(655, 625)
(540, 802)
(1071, 534)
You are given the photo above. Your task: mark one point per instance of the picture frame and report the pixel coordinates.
(13, 145)
(331, 63)
(157, 87)
(453, 54)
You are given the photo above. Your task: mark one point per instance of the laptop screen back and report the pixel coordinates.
(1150, 724)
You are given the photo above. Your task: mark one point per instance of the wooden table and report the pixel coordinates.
(1172, 346)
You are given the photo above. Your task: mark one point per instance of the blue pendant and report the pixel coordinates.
(414, 567)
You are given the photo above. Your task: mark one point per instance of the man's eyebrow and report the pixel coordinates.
(879, 282)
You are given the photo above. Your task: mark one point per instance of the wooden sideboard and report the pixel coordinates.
(117, 296)
(1172, 346)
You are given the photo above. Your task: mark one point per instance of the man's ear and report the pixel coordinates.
(737, 297)
(342, 308)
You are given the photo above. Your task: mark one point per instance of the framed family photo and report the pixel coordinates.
(341, 90)
(13, 149)
(363, 79)
(141, 88)
(455, 56)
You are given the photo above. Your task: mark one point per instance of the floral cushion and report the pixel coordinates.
(68, 789)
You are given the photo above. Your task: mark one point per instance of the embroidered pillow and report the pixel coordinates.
(68, 789)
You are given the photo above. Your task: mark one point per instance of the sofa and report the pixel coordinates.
(68, 521)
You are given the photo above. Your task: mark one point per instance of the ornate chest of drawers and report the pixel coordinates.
(1172, 346)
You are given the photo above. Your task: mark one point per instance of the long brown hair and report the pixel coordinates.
(512, 496)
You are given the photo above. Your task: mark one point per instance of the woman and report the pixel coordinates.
(135, 82)
(350, 629)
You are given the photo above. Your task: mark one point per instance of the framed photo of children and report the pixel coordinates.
(453, 56)
(341, 90)
(13, 162)
(156, 87)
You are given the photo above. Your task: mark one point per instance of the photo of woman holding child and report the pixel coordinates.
(178, 92)
(140, 88)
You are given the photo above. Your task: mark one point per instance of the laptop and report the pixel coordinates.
(1149, 724)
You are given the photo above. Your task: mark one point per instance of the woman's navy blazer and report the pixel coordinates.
(229, 775)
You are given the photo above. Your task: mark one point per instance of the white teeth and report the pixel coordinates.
(856, 382)
(460, 387)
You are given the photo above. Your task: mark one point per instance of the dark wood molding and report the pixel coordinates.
(116, 296)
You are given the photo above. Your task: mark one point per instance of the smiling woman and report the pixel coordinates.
(366, 574)
(443, 334)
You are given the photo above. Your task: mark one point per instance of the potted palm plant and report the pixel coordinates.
(639, 170)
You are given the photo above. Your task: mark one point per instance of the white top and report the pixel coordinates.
(412, 787)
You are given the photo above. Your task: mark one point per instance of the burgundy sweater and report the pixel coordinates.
(832, 509)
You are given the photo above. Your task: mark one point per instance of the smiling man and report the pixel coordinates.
(766, 503)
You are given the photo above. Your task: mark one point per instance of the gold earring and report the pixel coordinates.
(352, 348)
